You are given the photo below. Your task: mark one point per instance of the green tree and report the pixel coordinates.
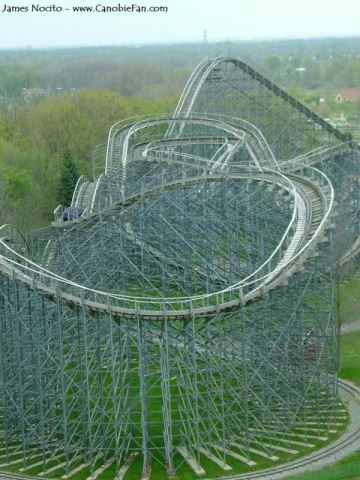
(273, 62)
(68, 178)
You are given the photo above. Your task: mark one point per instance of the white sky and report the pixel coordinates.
(185, 22)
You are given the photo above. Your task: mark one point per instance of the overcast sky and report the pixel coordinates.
(184, 22)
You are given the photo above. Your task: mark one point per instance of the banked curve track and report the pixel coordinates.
(312, 208)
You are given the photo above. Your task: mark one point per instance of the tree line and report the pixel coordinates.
(37, 142)
(155, 71)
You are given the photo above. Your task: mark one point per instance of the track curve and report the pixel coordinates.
(309, 198)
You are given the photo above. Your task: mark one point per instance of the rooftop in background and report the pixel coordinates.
(347, 95)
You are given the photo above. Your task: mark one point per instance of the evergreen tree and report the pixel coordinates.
(68, 178)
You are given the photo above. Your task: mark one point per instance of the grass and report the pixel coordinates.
(350, 357)
(347, 469)
(156, 425)
(349, 300)
(158, 471)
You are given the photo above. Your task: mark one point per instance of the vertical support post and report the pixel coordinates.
(20, 363)
(60, 346)
(143, 378)
(114, 384)
(166, 399)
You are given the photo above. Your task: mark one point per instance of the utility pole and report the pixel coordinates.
(205, 42)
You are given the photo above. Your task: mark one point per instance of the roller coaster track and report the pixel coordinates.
(204, 69)
(197, 204)
(312, 207)
(117, 153)
(261, 151)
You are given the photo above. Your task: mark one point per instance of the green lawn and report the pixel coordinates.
(350, 356)
(349, 300)
(348, 468)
